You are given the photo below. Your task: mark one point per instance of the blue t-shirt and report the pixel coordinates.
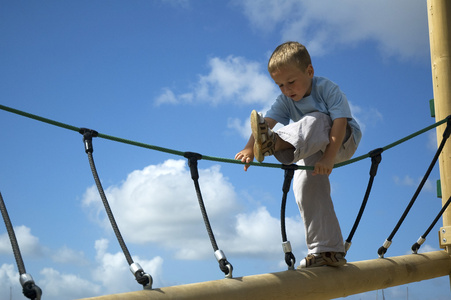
(325, 97)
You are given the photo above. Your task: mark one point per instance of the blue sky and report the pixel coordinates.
(185, 75)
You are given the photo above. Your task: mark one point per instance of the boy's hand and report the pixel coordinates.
(337, 133)
(323, 167)
(246, 156)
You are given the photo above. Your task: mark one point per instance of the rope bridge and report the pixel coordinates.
(32, 291)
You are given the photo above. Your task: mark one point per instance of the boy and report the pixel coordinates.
(323, 132)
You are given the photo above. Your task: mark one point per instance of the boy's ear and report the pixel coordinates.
(310, 71)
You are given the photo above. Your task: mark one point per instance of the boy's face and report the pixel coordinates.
(293, 82)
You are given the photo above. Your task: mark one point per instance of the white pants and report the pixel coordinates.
(310, 136)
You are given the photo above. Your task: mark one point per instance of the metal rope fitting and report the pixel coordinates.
(25, 278)
(289, 256)
(387, 244)
(219, 254)
(290, 260)
(286, 246)
(142, 277)
(382, 250)
(417, 245)
(29, 288)
(421, 240)
(225, 266)
(347, 246)
(135, 267)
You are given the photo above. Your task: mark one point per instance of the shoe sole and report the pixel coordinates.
(323, 263)
(339, 263)
(255, 126)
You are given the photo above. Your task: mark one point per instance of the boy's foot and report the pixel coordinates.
(265, 139)
(333, 259)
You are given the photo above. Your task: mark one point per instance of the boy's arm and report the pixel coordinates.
(337, 133)
(247, 154)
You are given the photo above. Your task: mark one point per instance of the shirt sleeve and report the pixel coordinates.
(279, 111)
(336, 102)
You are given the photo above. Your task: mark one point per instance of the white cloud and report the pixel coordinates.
(429, 185)
(167, 97)
(65, 286)
(66, 255)
(110, 274)
(9, 282)
(242, 127)
(54, 285)
(114, 273)
(233, 80)
(259, 233)
(409, 181)
(425, 248)
(238, 81)
(365, 117)
(405, 181)
(159, 205)
(28, 243)
(432, 140)
(399, 28)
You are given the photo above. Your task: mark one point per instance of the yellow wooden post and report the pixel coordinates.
(439, 16)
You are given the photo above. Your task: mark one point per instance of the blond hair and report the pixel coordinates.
(289, 53)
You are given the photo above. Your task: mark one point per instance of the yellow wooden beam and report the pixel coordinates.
(312, 284)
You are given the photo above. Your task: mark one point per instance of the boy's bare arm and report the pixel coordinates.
(337, 133)
(247, 154)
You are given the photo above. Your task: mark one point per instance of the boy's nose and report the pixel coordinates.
(286, 91)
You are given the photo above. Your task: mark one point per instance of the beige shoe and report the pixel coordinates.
(333, 259)
(265, 139)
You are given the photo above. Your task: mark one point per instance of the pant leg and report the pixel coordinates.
(312, 194)
(308, 136)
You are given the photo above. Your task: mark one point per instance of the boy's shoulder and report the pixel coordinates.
(323, 85)
(323, 81)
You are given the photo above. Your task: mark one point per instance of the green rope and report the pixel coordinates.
(38, 118)
(211, 158)
(395, 143)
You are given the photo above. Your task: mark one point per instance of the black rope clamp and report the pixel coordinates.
(141, 277)
(29, 289)
(290, 259)
(289, 172)
(192, 163)
(376, 158)
(447, 131)
(88, 134)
